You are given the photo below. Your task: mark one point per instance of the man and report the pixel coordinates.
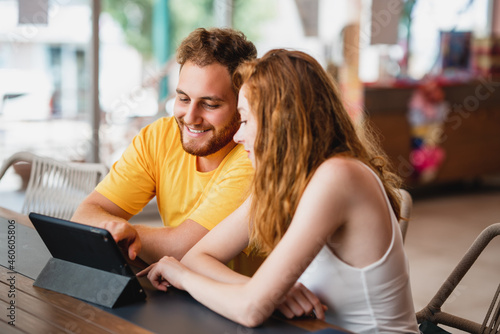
(189, 162)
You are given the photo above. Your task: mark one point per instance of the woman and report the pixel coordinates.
(324, 209)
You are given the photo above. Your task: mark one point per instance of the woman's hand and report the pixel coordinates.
(166, 272)
(299, 301)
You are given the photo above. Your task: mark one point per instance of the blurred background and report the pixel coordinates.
(74, 89)
(79, 78)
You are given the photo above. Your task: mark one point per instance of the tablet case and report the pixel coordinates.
(86, 263)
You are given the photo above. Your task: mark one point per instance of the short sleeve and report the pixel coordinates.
(229, 190)
(130, 184)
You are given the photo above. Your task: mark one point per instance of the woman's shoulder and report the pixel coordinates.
(343, 169)
(346, 177)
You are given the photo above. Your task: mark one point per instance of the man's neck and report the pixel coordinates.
(211, 162)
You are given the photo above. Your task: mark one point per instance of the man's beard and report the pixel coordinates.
(219, 139)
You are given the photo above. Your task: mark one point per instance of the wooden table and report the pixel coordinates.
(36, 310)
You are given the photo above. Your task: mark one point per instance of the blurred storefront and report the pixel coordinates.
(372, 48)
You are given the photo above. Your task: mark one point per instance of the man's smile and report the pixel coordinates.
(195, 131)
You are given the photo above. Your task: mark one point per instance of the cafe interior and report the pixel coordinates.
(80, 78)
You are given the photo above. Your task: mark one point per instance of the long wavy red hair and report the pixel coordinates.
(301, 122)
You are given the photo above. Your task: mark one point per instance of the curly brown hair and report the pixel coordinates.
(226, 46)
(301, 122)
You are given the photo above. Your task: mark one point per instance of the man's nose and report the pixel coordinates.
(193, 114)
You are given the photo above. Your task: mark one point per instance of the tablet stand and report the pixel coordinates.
(89, 284)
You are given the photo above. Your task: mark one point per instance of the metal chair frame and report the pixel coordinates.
(432, 312)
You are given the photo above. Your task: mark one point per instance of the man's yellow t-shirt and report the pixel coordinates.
(155, 164)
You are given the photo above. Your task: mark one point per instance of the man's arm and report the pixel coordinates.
(172, 241)
(97, 210)
(150, 243)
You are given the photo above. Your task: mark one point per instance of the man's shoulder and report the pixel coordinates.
(161, 131)
(236, 164)
(238, 156)
(162, 124)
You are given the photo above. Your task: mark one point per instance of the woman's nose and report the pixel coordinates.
(238, 136)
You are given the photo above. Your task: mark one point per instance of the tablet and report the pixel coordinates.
(82, 244)
(86, 263)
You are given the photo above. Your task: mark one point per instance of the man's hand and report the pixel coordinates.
(299, 301)
(125, 236)
(97, 210)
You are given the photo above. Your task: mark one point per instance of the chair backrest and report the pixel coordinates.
(56, 188)
(405, 211)
(432, 312)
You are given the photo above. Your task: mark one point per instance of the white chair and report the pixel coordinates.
(56, 188)
(406, 207)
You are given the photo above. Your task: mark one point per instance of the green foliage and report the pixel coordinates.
(249, 16)
(185, 16)
(407, 11)
(136, 19)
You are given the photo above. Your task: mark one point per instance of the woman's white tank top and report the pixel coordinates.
(373, 299)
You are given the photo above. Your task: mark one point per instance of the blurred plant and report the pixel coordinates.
(407, 12)
(136, 19)
(405, 29)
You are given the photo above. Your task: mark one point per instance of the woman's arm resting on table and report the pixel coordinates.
(224, 242)
(319, 214)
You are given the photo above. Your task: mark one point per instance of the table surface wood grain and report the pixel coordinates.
(39, 310)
